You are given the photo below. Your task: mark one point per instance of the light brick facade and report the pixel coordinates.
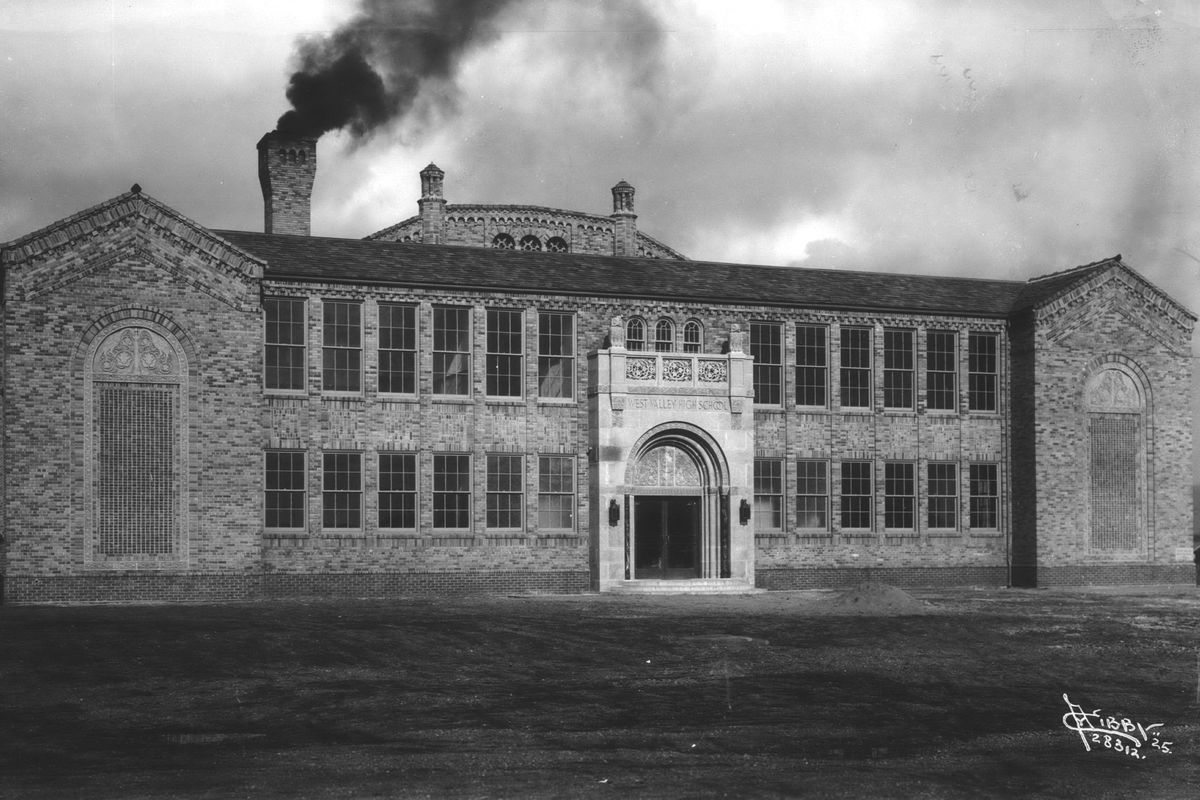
(1002, 432)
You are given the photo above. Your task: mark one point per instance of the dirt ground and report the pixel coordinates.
(870, 692)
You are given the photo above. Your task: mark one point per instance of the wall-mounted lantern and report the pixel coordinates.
(614, 512)
(744, 511)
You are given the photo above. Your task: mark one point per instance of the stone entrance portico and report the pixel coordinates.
(673, 464)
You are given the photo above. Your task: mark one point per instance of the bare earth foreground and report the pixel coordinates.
(872, 692)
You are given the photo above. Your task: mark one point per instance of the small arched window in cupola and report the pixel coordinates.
(556, 244)
(502, 241)
(531, 243)
(693, 335)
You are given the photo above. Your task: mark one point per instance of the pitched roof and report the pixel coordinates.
(312, 258)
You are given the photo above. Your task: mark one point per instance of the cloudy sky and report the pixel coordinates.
(986, 138)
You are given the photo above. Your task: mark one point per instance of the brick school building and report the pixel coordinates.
(518, 398)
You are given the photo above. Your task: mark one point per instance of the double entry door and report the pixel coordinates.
(666, 537)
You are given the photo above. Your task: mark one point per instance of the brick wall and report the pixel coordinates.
(1113, 321)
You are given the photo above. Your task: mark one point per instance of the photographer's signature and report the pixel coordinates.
(1119, 735)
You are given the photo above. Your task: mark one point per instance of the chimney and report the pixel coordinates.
(624, 221)
(287, 165)
(432, 205)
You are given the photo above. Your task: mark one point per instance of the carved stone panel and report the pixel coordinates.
(136, 353)
(1112, 390)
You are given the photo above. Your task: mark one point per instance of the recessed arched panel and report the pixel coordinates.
(135, 423)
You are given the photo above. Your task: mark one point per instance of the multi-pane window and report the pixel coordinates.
(341, 355)
(985, 496)
(451, 491)
(812, 495)
(285, 481)
(556, 355)
(812, 365)
(635, 334)
(898, 368)
(856, 368)
(283, 356)
(768, 493)
(505, 345)
(899, 496)
(856, 495)
(341, 496)
(982, 371)
(692, 336)
(556, 493)
(941, 366)
(397, 349)
(664, 336)
(398, 491)
(766, 346)
(943, 496)
(451, 351)
(504, 499)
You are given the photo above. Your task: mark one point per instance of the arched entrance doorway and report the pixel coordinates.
(676, 507)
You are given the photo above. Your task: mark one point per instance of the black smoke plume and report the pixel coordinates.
(370, 71)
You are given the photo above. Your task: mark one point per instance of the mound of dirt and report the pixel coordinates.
(874, 597)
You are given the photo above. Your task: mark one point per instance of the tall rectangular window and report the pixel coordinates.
(982, 371)
(766, 346)
(451, 351)
(556, 493)
(398, 491)
(899, 496)
(812, 365)
(397, 349)
(341, 498)
(283, 356)
(285, 482)
(812, 495)
(985, 496)
(451, 491)
(556, 355)
(505, 346)
(898, 369)
(943, 496)
(768, 493)
(856, 495)
(505, 477)
(341, 355)
(941, 367)
(856, 368)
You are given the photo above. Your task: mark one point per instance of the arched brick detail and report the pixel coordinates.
(118, 315)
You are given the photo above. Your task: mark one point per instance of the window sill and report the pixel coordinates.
(328, 395)
(557, 401)
(397, 398)
(987, 533)
(453, 399)
(504, 401)
(944, 533)
(289, 394)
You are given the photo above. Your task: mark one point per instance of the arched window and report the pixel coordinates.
(635, 334)
(531, 243)
(556, 244)
(502, 241)
(664, 336)
(136, 410)
(1117, 458)
(693, 334)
